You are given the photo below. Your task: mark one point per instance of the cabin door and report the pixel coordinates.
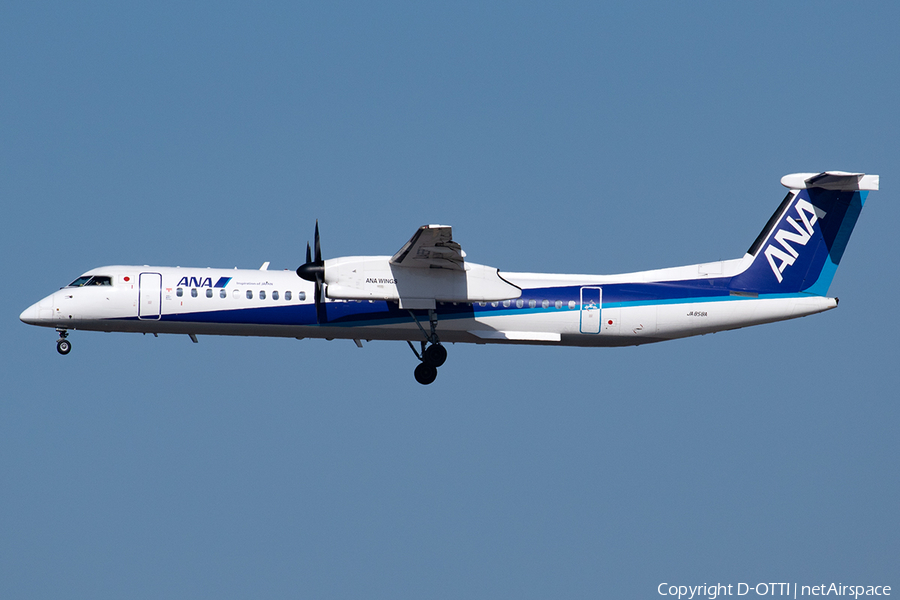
(591, 298)
(149, 295)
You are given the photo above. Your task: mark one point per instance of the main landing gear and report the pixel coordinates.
(433, 352)
(63, 346)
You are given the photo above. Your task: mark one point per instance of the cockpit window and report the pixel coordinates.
(80, 281)
(91, 280)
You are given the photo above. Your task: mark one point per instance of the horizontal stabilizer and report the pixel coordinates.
(831, 180)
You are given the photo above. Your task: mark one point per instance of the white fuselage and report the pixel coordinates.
(570, 310)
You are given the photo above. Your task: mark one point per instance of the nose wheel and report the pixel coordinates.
(433, 353)
(63, 346)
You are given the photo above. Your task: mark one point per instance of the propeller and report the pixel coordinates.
(314, 270)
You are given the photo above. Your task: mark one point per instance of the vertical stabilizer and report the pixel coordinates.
(802, 244)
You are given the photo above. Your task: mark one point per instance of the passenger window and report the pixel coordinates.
(545, 304)
(301, 296)
(506, 303)
(520, 303)
(571, 304)
(275, 295)
(558, 304)
(222, 293)
(532, 303)
(287, 296)
(249, 294)
(236, 294)
(495, 304)
(209, 292)
(262, 294)
(179, 292)
(193, 292)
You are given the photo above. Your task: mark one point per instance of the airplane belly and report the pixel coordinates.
(553, 321)
(697, 318)
(682, 320)
(639, 321)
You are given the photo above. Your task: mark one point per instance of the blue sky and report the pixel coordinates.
(569, 138)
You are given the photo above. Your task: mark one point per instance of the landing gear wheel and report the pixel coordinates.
(63, 346)
(434, 355)
(425, 373)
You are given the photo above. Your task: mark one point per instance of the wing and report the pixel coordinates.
(431, 246)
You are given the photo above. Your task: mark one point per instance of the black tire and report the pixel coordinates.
(63, 346)
(434, 355)
(425, 374)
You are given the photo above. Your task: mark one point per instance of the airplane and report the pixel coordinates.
(429, 293)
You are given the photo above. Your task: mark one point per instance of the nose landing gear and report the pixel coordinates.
(433, 353)
(63, 346)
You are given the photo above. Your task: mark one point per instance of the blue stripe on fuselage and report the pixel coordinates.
(366, 313)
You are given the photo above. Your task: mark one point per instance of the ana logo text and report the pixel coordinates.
(801, 234)
(203, 282)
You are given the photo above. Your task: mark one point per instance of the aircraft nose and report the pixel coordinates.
(39, 313)
(31, 315)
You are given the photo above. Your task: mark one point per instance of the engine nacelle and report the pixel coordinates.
(376, 278)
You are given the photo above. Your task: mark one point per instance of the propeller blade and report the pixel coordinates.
(308, 255)
(321, 314)
(318, 245)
